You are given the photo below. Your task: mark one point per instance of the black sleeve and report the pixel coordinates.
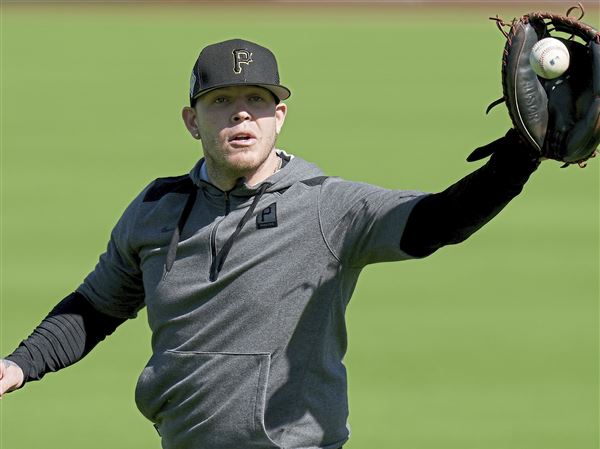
(451, 216)
(69, 332)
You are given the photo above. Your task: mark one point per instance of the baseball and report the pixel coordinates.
(549, 58)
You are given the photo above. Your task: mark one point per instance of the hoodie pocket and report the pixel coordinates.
(206, 399)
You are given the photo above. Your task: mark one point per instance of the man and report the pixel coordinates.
(246, 266)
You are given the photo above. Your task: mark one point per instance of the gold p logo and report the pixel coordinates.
(240, 57)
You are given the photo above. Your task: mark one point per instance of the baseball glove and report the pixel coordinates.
(560, 117)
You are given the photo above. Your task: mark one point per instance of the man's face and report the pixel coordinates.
(238, 127)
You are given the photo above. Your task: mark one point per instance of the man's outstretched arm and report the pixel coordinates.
(451, 216)
(69, 332)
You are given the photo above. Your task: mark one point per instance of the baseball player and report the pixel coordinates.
(246, 266)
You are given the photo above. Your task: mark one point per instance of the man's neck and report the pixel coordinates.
(226, 181)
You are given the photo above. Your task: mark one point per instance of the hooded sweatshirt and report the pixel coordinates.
(246, 292)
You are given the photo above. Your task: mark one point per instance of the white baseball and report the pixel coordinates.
(549, 58)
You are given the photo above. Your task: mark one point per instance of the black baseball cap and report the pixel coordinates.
(235, 62)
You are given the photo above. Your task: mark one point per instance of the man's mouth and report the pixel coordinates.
(243, 139)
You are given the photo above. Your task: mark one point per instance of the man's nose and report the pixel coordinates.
(240, 115)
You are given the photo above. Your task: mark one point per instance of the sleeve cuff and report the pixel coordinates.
(23, 361)
(514, 159)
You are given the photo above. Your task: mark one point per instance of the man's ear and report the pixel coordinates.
(189, 119)
(280, 113)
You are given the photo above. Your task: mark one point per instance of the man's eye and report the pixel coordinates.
(256, 98)
(221, 100)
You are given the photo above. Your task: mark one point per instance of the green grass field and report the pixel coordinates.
(491, 344)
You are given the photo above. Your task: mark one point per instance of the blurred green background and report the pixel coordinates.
(491, 344)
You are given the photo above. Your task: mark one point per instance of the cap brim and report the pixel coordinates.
(281, 92)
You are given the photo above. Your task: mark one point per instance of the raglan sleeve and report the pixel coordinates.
(115, 286)
(362, 223)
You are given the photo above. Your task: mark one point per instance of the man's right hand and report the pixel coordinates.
(11, 376)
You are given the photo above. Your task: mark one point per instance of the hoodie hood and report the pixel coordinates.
(294, 169)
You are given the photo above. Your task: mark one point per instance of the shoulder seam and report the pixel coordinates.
(327, 244)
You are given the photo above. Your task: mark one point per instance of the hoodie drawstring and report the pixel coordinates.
(219, 260)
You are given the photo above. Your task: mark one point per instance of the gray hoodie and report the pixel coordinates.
(246, 292)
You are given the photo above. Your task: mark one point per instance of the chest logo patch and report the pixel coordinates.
(267, 218)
